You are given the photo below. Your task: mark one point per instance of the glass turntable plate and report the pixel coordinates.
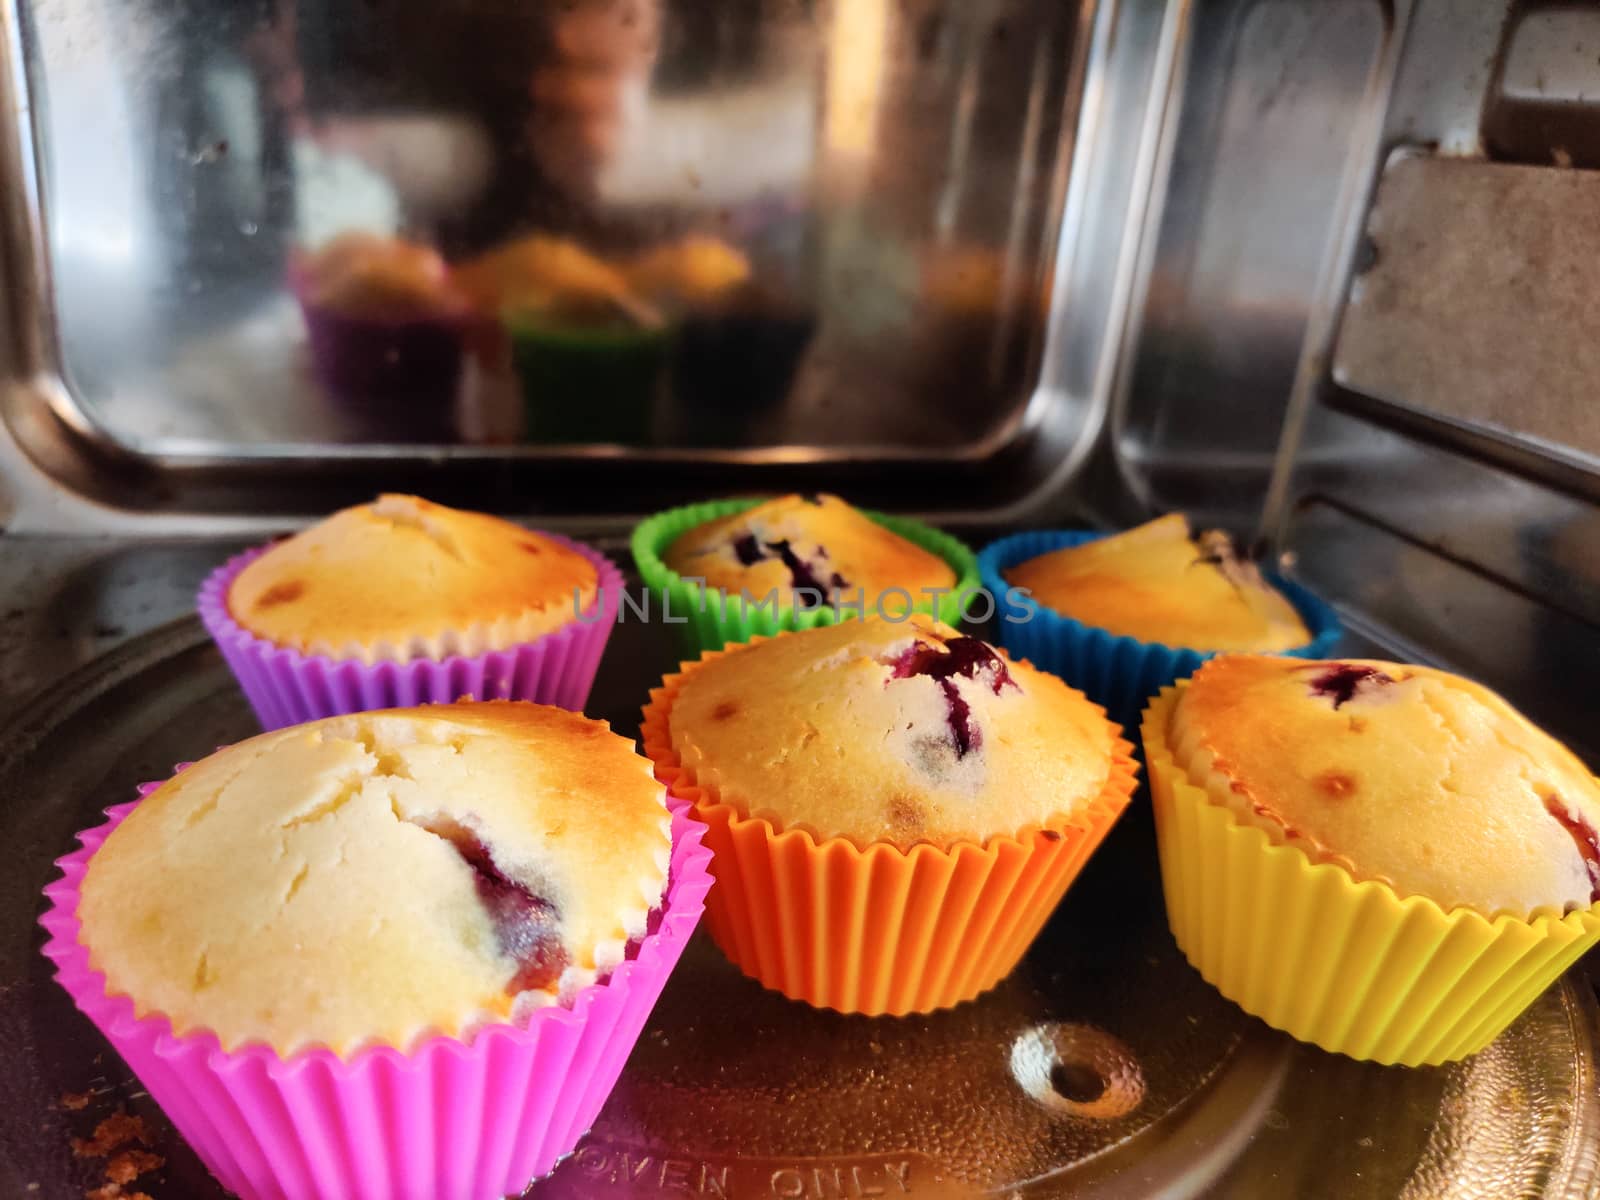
(1104, 1066)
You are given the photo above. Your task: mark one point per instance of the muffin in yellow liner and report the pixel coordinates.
(1349, 957)
(909, 919)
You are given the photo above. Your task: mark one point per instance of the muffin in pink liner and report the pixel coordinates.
(403, 602)
(472, 1116)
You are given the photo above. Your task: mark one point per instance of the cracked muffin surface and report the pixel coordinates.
(404, 578)
(884, 731)
(376, 877)
(1410, 775)
(1160, 583)
(816, 544)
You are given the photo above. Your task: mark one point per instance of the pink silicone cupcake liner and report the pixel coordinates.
(285, 687)
(452, 1120)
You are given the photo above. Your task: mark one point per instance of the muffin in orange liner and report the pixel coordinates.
(1305, 875)
(888, 925)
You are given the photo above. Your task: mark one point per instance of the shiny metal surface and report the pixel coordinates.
(1453, 540)
(167, 161)
(1102, 1068)
(183, 155)
(1250, 204)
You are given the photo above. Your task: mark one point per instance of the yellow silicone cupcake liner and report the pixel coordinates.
(878, 930)
(1349, 966)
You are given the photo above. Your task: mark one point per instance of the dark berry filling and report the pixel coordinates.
(1583, 834)
(961, 658)
(749, 550)
(811, 498)
(525, 925)
(1343, 682)
(803, 575)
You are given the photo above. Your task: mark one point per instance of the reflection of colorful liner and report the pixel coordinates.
(877, 929)
(399, 377)
(713, 618)
(734, 365)
(1119, 672)
(452, 1118)
(583, 384)
(1349, 966)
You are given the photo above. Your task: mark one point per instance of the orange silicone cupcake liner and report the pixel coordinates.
(876, 929)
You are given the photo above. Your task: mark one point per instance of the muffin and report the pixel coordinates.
(443, 927)
(1123, 615)
(1160, 583)
(894, 809)
(815, 543)
(402, 601)
(737, 340)
(387, 328)
(1383, 859)
(378, 877)
(736, 568)
(588, 351)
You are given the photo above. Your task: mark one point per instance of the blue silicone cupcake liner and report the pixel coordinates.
(1113, 670)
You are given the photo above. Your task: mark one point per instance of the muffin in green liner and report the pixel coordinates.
(708, 617)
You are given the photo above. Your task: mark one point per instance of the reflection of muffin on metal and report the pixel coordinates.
(588, 351)
(360, 274)
(738, 341)
(587, 377)
(386, 327)
(690, 272)
(537, 270)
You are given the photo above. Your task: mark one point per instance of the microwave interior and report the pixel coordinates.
(1312, 271)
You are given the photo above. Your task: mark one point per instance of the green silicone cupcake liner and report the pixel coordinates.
(708, 618)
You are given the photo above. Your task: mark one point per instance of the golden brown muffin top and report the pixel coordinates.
(813, 542)
(1407, 774)
(1158, 584)
(365, 274)
(371, 878)
(882, 731)
(403, 578)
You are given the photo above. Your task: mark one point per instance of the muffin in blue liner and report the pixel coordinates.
(1118, 672)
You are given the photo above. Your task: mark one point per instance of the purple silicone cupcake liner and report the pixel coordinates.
(286, 687)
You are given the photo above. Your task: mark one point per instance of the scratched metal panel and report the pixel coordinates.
(1479, 302)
